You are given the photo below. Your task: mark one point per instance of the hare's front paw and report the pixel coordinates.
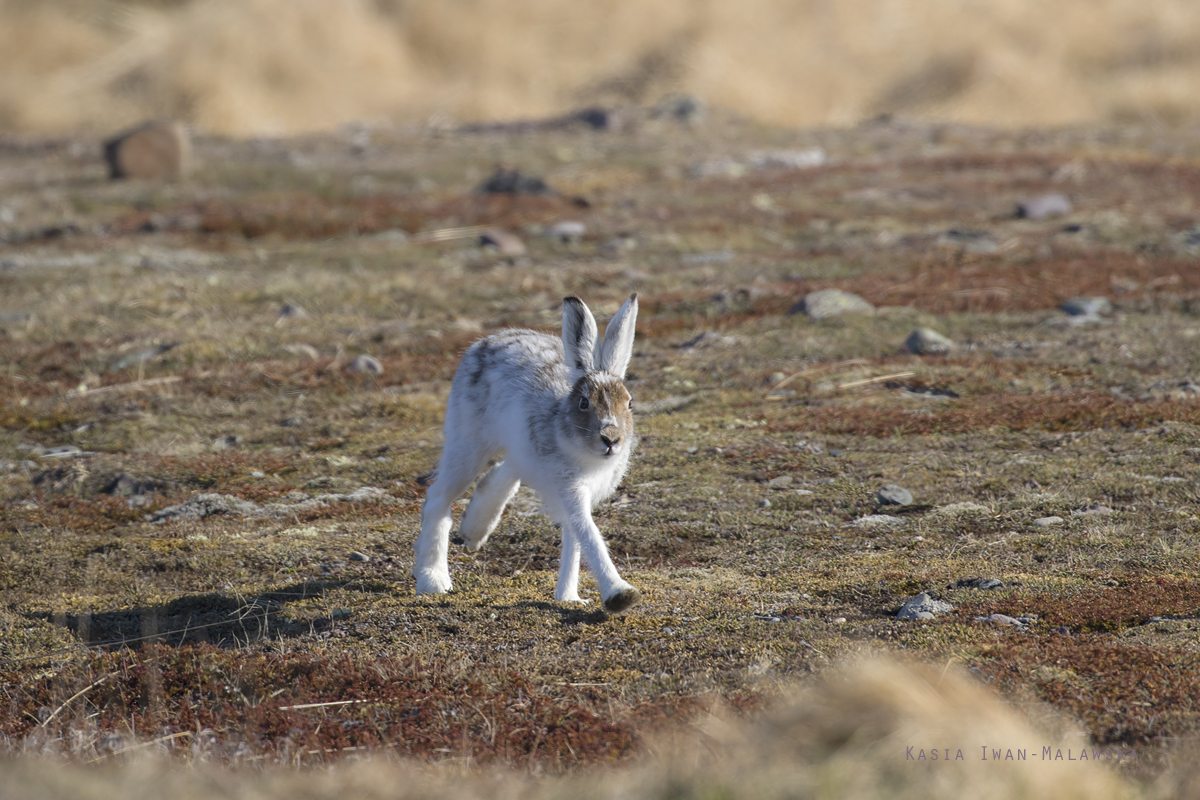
(621, 599)
(433, 582)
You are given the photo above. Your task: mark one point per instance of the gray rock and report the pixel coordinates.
(923, 604)
(511, 181)
(968, 241)
(892, 495)
(508, 244)
(1048, 205)
(1001, 619)
(567, 231)
(684, 108)
(125, 485)
(1046, 522)
(877, 521)
(226, 442)
(782, 482)
(764, 503)
(366, 364)
(203, 506)
(983, 584)
(154, 151)
(787, 159)
(63, 451)
(1087, 306)
(293, 311)
(359, 556)
(926, 341)
(831, 303)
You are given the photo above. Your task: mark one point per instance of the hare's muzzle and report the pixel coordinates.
(611, 438)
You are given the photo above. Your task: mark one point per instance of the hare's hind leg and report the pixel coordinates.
(459, 465)
(492, 493)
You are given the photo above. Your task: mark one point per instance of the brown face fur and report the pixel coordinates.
(607, 416)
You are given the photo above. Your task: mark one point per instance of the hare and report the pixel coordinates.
(559, 412)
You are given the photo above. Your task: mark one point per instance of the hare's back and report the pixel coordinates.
(515, 359)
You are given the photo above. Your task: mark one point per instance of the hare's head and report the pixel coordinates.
(599, 408)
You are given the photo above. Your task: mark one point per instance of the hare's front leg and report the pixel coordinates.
(616, 593)
(567, 590)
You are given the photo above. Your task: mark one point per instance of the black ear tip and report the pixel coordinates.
(572, 300)
(633, 297)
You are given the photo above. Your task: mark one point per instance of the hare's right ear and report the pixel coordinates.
(613, 354)
(579, 334)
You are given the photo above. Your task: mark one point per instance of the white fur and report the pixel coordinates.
(512, 396)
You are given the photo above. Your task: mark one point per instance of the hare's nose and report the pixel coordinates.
(610, 441)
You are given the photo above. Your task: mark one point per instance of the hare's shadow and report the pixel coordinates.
(224, 620)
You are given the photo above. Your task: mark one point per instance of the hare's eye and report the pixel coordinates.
(583, 404)
(631, 402)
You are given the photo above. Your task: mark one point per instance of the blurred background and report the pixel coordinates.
(265, 67)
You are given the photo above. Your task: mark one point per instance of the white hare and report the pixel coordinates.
(560, 413)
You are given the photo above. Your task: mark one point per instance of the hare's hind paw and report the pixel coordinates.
(621, 600)
(433, 582)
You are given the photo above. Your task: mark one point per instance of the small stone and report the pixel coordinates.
(507, 243)
(359, 556)
(567, 231)
(1087, 306)
(923, 604)
(782, 482)
(1000, 619)
(764, 503)
(366, 364)
(893, 495)
(1048, 205)
(1046, 522)
(293, 311)
(154, 151)
(831, 303)
(226, 442)
(839, 620)
(291, 422)
(926, 341)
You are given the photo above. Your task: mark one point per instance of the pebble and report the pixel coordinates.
(1046, 522)
(923, 604)
(1087, 306)
(1048, 205)
(366, 363)
(1001, 619)
(782, 482)
(892, 495)
(567, 231)
(764, 503)
(787, 159)
(226, 442)
(508, 244)
(359, 556)
(969, 241)
(828, 303)
(926, 341)
(154, 151)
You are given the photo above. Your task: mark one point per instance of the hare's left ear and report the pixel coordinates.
(614, 352)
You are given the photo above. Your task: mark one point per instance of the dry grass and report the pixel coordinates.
(274, 66)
